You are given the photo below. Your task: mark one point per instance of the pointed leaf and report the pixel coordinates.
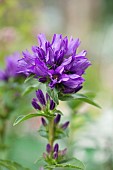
(80, 97)
(58, 111)
(28, 116)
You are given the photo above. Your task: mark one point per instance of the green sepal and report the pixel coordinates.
(28, 116)
(59, 134)
(53, 94)
(10, 165)
(77, 96)
(30, 88)
(72, 163)
(43, 132)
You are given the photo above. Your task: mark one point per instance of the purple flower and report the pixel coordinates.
(41, 103)
(11, 67)
(56, 63)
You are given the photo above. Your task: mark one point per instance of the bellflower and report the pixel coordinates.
(11, 67)
(56, 63)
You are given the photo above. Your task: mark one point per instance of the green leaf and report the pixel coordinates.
(29, 78)
(28, 116)
(30, 89)
(53, 94)
(80, 97)
(58, 111)
(10, 165)
(73, 163)
(43, 132)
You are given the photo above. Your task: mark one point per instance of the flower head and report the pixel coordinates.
(11, 67)
(56, 63)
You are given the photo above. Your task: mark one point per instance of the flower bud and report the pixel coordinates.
(57, 119)
(44, 155)
(65, 125)
(55, 155)
(47, 97)
(48, 148)
(63, 152)
(56, 147)
(40, 97)
(35, 104)
(43, 122)
(52, 105)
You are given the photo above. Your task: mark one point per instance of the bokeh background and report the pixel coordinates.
(92, 22)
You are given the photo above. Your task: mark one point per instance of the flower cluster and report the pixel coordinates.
(56, 63)
(42, 102)
(61, 127)
(11, 67)
(54, 153)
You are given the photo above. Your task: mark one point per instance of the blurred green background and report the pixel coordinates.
(92, 22)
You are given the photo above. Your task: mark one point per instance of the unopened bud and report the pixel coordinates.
(57, 119)
(48, 148)
(65, 125)
(43, 122)
(56, 147)
(55, 155)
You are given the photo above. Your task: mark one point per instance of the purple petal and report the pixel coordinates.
(56, 42)
(72, 46)
(42, 40)
(73, 83)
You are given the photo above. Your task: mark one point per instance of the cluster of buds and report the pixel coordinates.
(42, 102)
(57, 120)
(54, 154)
(59, 128)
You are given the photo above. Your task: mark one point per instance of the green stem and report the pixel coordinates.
(2, 139)
(51, 132)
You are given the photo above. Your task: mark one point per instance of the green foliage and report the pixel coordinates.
(72, 163)
(53, 94)
(10, 165)
(78, 96)
(28, 116)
